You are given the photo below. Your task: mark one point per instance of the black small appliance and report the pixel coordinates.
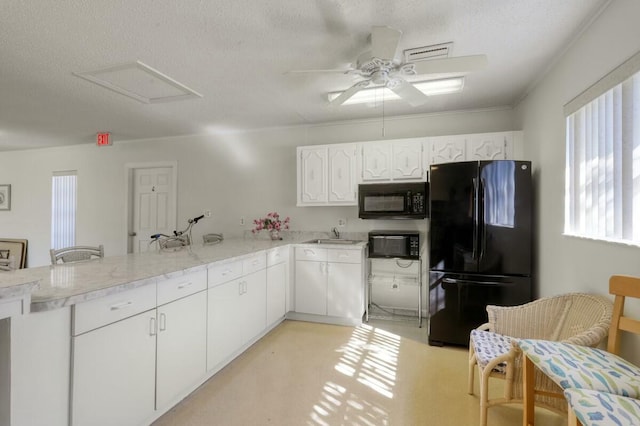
(393, 200)
(394, 244)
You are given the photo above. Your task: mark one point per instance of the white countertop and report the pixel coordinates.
(66, 284)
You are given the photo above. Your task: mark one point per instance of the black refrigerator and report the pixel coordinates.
(480, 244)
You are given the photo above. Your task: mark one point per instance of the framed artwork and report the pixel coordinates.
(5, 197)
(16, 248)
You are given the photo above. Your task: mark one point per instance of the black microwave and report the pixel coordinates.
(394, 244)
(393, 200)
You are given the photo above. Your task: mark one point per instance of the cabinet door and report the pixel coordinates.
(276, 292)
(312, 178)
(223, 338)
(448, 149)
(182, 346)
(490, 146)
(253, 309)
(376, 161)
(114, 373)
(342, 174)
(407, 160)
(345, 290)
(311, 287)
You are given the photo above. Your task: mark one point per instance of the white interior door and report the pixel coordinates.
(154, 207)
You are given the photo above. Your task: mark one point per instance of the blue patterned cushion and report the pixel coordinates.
(574, 366)
(594, 408)
(489, 345)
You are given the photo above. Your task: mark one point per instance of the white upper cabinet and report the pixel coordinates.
(408, 160)
(490, 146)
(448, 149)
(394, 160)
(473, 147)
(376, 161)
(327, 175)
(312, 176)
(342, 174)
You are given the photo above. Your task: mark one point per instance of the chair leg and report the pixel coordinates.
(472, 364)
(528, 392)
(484, 394)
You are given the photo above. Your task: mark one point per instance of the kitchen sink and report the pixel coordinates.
(332, 241)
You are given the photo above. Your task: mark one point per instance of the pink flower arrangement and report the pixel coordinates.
(271, 223)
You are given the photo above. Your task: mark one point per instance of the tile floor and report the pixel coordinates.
(381, 373)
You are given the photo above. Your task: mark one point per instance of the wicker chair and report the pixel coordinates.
(75, 254)
(578, 318)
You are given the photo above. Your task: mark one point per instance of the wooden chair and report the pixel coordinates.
(575, 317)
(76, 253)
(572, 366)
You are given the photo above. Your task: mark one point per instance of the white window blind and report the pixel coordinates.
(602, 193)
(63, 209)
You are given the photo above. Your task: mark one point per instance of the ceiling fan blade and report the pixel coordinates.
(407, 91)
(384, 42)
(459, 64)
(336, 71)
(344, 96)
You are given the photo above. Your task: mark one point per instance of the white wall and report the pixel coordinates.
(232, 174)
(564, 263)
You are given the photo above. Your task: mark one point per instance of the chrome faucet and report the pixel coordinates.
(335, 232)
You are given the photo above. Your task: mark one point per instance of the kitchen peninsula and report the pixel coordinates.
(120, 340)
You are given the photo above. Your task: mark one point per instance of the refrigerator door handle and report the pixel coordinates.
(457, 281)
(474, 207)
(483, 222)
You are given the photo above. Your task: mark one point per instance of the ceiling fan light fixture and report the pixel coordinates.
(428, 87)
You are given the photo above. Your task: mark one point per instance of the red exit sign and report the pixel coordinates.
(103, 139)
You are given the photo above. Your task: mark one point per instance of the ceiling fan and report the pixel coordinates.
(379, 67)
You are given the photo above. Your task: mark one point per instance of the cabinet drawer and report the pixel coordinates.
(277, 255)
(174, 288)
(115, 307)
(223, 272)
(345, 256)
(254, 263)
(311, 253)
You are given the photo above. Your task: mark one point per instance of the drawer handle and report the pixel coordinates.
(183, 285)
(120, 305)
(309, 251)
(226, 272)
(343, 255)
(255, 262)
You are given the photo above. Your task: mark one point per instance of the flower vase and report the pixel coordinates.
(275, 234)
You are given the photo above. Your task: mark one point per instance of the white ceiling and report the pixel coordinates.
(236, 52)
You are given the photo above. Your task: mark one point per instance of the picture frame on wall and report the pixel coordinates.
(5, 197)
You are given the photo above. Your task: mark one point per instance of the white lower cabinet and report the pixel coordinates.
(311, 287)
(237, 311)
(223, 337)
(127, 364)
(276, 292)
(329, 282)
(181, 347)
(114, 373)
(345, 293)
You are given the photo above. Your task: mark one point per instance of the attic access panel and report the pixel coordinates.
(139, 81)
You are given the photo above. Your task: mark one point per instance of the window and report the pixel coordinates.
(602, 193)
(63, 209)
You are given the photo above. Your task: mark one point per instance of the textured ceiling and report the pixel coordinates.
(236, 54)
